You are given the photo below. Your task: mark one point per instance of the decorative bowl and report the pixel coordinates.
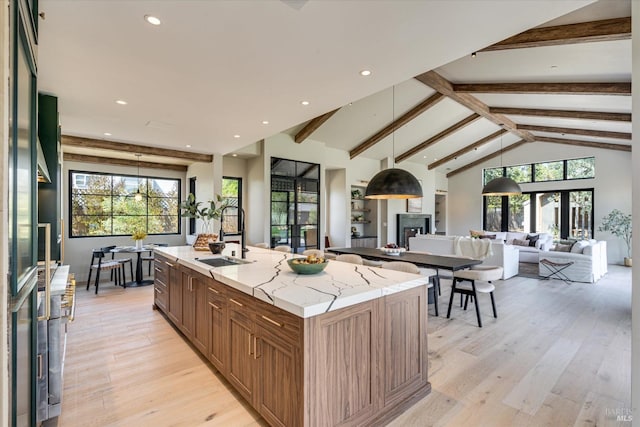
(302, 268)
(216, 247)
(393, 251)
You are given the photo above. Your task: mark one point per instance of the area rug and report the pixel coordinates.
(528, 269)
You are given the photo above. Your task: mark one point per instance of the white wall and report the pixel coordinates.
(255, 190)
(77, 251)
(612, 187)
(335, 219)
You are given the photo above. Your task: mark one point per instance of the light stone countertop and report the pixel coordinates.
(267, 276)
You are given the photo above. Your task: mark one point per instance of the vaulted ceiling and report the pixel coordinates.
(566, 82)
(213, 70)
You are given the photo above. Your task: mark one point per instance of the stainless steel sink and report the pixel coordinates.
(222, 261)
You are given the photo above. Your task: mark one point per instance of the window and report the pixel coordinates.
(549, 171)
(491, 174)
(232, 191)
(581, 168)
(104, 205)
(519, 174)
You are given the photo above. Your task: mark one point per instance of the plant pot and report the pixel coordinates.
(627, 262)
(138, 244)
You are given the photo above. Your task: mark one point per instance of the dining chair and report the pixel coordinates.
(103, 264)
(123, 262)
(350, 258)
(474, 281)
(408, 267)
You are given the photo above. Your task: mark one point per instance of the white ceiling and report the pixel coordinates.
(214, 69)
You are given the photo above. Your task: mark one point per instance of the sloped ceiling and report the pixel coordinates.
(217, 69)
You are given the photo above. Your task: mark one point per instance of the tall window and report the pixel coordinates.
(104, 205)
(232, 191)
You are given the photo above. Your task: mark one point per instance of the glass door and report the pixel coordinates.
(548, 207)
(581, 214)
(295, 199)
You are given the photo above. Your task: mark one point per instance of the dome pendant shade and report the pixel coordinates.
(501, 187)
(393, 183)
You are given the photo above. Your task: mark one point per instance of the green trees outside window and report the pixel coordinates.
(104, 205)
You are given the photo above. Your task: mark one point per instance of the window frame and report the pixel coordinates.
(112, 195)
(239, 205)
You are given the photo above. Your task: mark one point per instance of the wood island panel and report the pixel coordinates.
(359, 365)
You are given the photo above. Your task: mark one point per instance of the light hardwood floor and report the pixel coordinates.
(558, 355)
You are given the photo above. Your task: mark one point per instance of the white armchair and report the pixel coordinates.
(587, 262)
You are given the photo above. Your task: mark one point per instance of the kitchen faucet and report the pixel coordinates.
(243, 243)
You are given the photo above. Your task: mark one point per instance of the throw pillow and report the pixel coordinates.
(488, 236)
(519, 242)
(578, 246)
(533, 238)
(476, 233)
(562, 248)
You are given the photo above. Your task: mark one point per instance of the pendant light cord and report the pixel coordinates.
(393, 126)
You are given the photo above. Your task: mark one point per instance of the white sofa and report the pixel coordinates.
(526, 253)
(588, 260)
(505, 256)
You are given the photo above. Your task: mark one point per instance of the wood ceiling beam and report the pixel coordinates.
(611, 88)
(445, 87)
(439, 136)
(485, 158)
(573, 131)
(313, 125)
(567, 114)
(579, 143)
(584, 32)
(73, 157)
(76, 141)
(397, 124)
(467, 149)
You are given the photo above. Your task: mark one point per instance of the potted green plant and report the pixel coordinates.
(619, 224)
(207, 213)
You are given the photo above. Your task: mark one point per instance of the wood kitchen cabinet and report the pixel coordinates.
(359, 365)
(160, 280)
(195, 321)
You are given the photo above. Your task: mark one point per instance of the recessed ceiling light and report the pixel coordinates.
(152, 20)
(234, 155)
(121, 102)
(107, 134)
(474, 54)
(304, 102)
(365, 73)
(265, 122)
(188, 145)
(236, 136)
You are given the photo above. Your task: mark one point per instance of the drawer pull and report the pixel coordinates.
(272, 321)
(157, 269)
(169, 264)
(250, 345)
(158, 290)
(236, 302)
(214, 306)
(213, 290)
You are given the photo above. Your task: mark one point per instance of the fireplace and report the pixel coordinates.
(408, 225)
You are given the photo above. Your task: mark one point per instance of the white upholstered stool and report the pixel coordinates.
(484, 275)
(351, 258)
(408, 267)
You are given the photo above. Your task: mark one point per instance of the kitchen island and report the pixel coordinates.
(347, 346)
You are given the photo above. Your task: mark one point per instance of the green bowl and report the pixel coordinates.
(307, 268)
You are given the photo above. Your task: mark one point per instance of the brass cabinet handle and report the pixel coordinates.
(236, 302)
(255, 347)
(213, 290)
(249, 344)
(158, 290)
(169, 264)
(272, 321)
(214, 306)
(157, 269)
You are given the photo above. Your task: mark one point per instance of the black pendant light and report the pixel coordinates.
(501, 186)
(393, 183)
(138, 195)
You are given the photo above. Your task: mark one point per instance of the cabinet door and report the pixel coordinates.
(405, 361)
(188, 303)
(217, 317)
(278, 398)
(240, 338)
(175, 293)
(200, 336)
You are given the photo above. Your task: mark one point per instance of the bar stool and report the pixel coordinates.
(282, 248)
(317, 252)
(485, 275)
(350, 258)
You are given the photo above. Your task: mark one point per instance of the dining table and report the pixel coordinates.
(139, 279)
(437, 262)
